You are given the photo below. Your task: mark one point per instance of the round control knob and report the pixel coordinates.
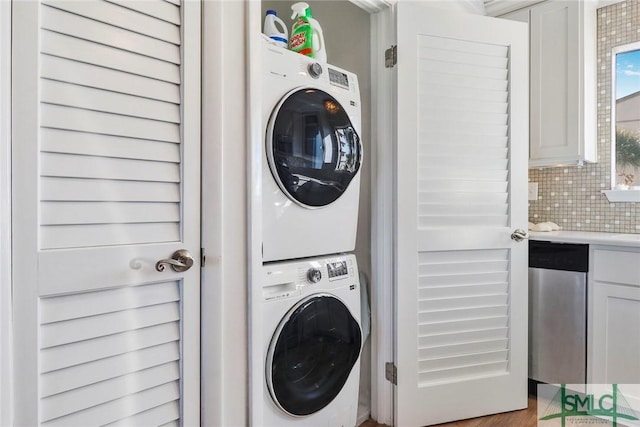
(314, 275)
(315, 70)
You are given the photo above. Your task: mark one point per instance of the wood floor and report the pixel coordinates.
(524, 418)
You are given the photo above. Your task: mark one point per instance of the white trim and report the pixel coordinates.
(212, 354)
(373, 6)
(224, 225)
(24, 207)
(192, 210)
(501, 7)
(382, 194)
(6, 410)
(254, 215)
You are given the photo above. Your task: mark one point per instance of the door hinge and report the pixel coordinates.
(391, 56)
(203, 258)
(391, 373)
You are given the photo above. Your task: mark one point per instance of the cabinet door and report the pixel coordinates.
(555, 81)
(616, 338)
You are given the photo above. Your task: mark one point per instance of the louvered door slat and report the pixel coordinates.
(158, 416)
(75, 330)
(431, 93)
(70, 95)
(470, 290)
(472, 82)
(450, 361)
(103, 369)
(464, 70)
(462, 337)
(469, 151)
(444, 56)
(118, 409)
(427, 329)
(156, 8)
(120, 17)
(65, 356)
(74, 166)
(103, 190)
(66, 307)
(70, 142)
(104, 56)
(66, 70)
(461, 187)
(105, 391)
(462, 198)
(88, 29)
(66, 213)
(461, 46)
(76, 119)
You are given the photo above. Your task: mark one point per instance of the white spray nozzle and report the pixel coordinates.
(299, 9)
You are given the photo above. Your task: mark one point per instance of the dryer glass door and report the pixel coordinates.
(312, 354)
(313, 149)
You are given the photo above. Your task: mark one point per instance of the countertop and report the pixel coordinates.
(593, 238)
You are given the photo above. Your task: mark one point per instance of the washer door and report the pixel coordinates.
(311, 354)
(312, 147)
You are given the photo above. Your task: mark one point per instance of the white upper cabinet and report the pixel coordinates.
(563, 81)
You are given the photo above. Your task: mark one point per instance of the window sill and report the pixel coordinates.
(622, 195)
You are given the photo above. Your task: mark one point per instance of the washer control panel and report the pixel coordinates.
(290, 279)
(337, 269)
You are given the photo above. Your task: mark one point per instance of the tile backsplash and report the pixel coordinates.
(571, 196)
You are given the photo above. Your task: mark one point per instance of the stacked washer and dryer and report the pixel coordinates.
(310, 288)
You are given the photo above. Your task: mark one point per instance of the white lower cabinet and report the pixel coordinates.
(614, 320)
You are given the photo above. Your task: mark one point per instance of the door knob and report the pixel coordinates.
(519, 235)
(180, 261)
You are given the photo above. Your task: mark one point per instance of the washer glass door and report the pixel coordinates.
(312, 354)
(313, 149)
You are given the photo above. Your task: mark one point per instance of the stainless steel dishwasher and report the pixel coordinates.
(558, 312)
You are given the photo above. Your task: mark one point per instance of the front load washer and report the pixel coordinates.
(312, 342)
(313, 156)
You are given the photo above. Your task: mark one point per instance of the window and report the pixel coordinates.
(625, 113)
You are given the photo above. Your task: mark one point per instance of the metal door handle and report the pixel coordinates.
(180, 261)
(519, 235)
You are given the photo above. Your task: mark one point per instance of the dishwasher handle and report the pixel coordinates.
(559, 256)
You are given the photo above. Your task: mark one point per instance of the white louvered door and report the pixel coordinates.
(461, 282)
(106, 182)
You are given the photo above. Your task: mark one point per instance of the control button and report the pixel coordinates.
(315, 70)
(314, 275)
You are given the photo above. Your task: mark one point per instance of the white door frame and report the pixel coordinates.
(383, 82)
(6, 410)
(381, 174)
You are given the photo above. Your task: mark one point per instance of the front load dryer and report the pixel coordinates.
(312, 342)
(313, 156)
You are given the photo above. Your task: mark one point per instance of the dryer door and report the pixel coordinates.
(312, 147)
(311, 354)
